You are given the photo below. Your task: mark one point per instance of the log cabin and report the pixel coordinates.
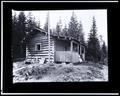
(62, 48)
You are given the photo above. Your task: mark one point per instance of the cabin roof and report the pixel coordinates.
(67, 38)
(36, 30)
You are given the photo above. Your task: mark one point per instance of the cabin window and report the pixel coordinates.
(38, 47)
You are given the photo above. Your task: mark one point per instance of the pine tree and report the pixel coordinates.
(80, 33)
(38, 24)
(14, 36)
(14, 29)
(73, 26)
(30, 22)
(65, 31)
(58, 29)
(103, 51)
(22, 33)
(21, 25)
(18, 33)
(46, 25)
(54, 33)
(93, 47)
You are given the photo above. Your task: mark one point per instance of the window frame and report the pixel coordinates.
(36, 46)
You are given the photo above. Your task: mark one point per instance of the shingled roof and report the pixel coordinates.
(38, 30)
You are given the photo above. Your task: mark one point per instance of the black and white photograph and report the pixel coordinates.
(59, 46)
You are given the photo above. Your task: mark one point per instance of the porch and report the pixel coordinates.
(66, 56)
(73, 54)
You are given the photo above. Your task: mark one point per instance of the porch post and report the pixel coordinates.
(80, 49)
(71, 50)
(71, 46)
(27, 52)
(84, 53)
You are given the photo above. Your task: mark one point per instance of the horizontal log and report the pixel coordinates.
(41, 51)
(41, 54)
(42, 48)
(33, 57)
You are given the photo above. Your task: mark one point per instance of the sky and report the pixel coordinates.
(85, 16)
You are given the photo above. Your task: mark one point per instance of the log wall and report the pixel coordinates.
(44, 49)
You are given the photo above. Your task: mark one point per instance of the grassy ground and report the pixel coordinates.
(84, 72)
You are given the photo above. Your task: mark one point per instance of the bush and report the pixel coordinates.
(33, 71)
(106, 61)
(95, 72)
(68, 70)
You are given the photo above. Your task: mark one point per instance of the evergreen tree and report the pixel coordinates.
(58, 29)
(104, 48)
(80, 33)
(93, 47)
(14, 36)
(14, 29)
(54, 33)
(30, 22)
(101, 41)
(46, 25)
(38, 24)
(65, 31)
(21, 25)
(18, 33)
(22, 33)
(103, 51)
(73, 26)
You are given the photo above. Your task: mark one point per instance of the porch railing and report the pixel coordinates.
(66, 56)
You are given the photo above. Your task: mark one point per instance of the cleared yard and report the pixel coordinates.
(85, 72)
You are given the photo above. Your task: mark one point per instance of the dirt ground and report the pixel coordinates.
(59, 72)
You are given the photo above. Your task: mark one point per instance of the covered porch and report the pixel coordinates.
(72, 54)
